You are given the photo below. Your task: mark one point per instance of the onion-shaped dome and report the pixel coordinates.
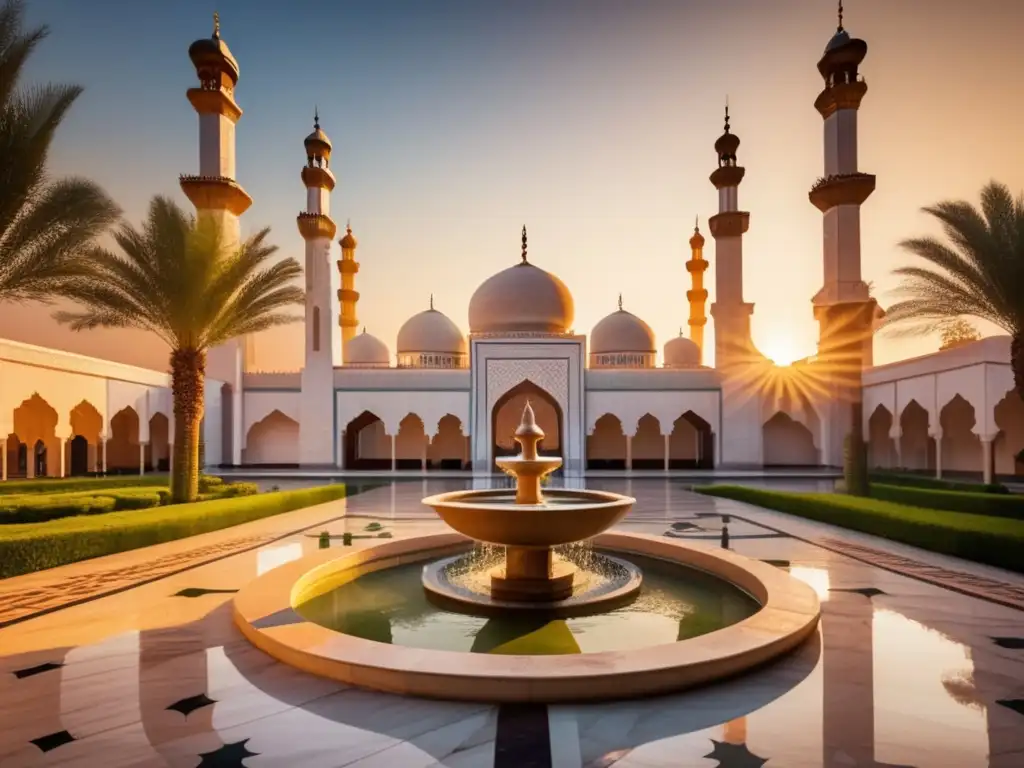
(697, 241)
(523, 298)
(367, 351)
(622, 340)
(682, 352)
(212, 54)
(431, 340)
(348, 242)
(317, 144)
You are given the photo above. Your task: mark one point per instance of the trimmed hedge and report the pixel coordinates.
(75, 484)
(992, 504)
(38, 508)
(34, 547)
(921, 481)
(994, 541)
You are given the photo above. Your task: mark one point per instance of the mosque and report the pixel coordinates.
(445, 401)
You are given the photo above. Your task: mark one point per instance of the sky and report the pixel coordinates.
(592, 123)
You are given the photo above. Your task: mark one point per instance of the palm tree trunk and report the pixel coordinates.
(1017, 363)
(188, 374)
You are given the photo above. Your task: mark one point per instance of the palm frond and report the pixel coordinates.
(977, 273)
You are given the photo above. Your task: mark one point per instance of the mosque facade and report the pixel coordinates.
(442, 400)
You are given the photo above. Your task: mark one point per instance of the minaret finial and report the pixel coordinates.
(620, 302)
(524, 244)
(216, 26)
(316, 118)
(696, 224)
(726, 114)
(348, 226)
(431, 301)
(840, 27)
(680, 330)
(364, 329)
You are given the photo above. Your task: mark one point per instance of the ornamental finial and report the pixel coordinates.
(840, 27)
(696, 225)
(316, 118)
(431, 301)
(216, 26)
(726, 114)
(364, 329)
(620, 302)
(524, 244)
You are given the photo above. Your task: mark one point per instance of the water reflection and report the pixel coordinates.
(816, 578)
(271, 557)
(913, 667)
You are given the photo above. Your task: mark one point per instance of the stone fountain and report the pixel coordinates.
(529, 525)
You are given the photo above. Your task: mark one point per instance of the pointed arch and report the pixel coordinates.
(881, 449)
(648, 444)
(123, 446)
(35, 421)
(449, 449)
(367, 444)
(606, 445)
(961, 446)
(691, 444)
(788, 443)
(273, 441)
(508, 411)
(917, 449)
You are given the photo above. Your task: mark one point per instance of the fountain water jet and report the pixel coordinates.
(529, 525)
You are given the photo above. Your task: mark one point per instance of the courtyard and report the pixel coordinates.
(134, 660)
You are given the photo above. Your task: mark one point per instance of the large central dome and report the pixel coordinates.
(521, 299)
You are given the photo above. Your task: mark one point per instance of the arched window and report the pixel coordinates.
(316, 329)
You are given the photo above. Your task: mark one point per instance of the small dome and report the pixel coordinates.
(697, 241)
(431, 331)
(727, 144)
(523, 298)
(839, 39)
(212, 52)
(348, 242)
(682, 352)
(622, 331)
(317, 140)
(368, 352)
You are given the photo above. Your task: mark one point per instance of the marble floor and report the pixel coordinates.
(919, 661)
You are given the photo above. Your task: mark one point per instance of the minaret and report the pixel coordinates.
(217, 196)
(316, 437)
(730, 311)
(348, 296)
(697, 295)
(843, 307)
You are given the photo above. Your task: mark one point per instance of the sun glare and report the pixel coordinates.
(782, 351)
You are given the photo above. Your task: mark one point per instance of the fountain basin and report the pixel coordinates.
(563, 517)
(264, 610)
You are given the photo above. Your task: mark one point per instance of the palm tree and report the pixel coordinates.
(979, 272)
(177, 279)
(44, 225)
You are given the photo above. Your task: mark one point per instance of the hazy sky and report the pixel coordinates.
(593, 123)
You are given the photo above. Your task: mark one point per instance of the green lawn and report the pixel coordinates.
(997, 541)
(28, 547)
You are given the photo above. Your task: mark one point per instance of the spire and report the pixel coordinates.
(680, 331)
(840, 27)
(216, 26)
(524, 244)
(620, 302)
(364, 329)
(316, 118)
(727, 114)
(431, 301)
(696, 225)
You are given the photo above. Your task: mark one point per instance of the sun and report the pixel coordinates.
(782, 351)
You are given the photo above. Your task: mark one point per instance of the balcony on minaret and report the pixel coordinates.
(841, 189)
(316, 226)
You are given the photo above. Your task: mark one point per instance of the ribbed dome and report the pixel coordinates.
(622, 331)
(348, 242)
(368, 351)
(431, 331)
(682, 352)
(523, 298)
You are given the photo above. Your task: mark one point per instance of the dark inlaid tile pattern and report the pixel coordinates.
(199, 592)
(522, 739)
(958, 581)
(734, 756)
(53, 740)
(37, 670)
(228, 756)
(1014, 643)
(87, 585)
(191, 704)
(868, 592)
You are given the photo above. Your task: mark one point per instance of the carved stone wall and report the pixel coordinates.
(550, 375)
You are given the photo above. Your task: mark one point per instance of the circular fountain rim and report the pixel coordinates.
(599, 500)
(264, 612)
